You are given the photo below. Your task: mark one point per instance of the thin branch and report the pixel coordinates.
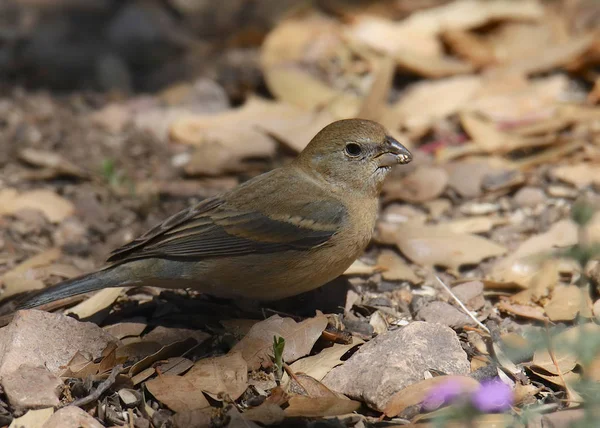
(102, 388)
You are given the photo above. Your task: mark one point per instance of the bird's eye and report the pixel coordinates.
(353, 149)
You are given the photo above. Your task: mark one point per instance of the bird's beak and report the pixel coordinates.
(393, 153)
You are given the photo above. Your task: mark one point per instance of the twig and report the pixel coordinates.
(464, 308)
(101, 388)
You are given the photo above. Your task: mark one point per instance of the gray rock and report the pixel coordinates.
(397, 359)
(471, 294)
(48, 340)
(21, 394)
(529, 197)
(71, 417)
(446, 314)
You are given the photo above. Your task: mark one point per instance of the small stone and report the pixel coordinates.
(130, 397)
(71, 417)
(397, 359)
(529, 197)
(446, 314)
(558, 191)
(18, 387)
(470, 294)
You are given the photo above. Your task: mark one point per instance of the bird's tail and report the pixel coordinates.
(83, 284)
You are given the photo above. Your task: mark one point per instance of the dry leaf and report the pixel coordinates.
(54, 207)
(565, 359)
(532, 312)
(417, 392)
(477, 224)
(53, 163)
(423, 184)
(303, 384)
(267, 414)
(486, 135)
(32, 419)
(523, 264)
(579, 175)
(98, 302)
(570, 378)
(23, 277)
(361, 268)
(434, 245)
(256, 346)
(227, 375)
(131, 327)
(317, 366)
(426, 102)
(173, 350)
(309, 407)
(565, 303)
(395, 268)
(178, 393)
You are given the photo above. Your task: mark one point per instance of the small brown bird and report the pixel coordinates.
(282, 233)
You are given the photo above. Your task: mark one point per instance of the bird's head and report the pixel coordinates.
(354, 154)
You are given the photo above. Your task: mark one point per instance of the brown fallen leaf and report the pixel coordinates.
(521, 266)
(23, 277)
(178, 393)
(318, 365)
(359, 267)
(267, 414)
(423, 184)
(395, 268)
(532, 312)
(570, 378)
(303, 384)
(425, 102)
(435, 245)
(579, 175)
(98, 302)
(256, 346)
(131, 327)
(173, 350)
(54, 207)
(565, 360)
(487, 136)
(220, 377)
(417, 392)
(309, 407)
(33, 418)
(565, 303)
(53, 163)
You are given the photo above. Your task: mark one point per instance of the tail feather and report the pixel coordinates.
(73, 287)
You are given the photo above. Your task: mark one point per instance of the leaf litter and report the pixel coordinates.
(501, 112)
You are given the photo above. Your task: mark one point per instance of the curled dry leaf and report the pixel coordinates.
(417, 392)
(487, 136)
(54, 207)
(309, 407)
(98, 302)
(53, 163)
(178, 393)
(435, 245)
(267, 414)
(525, 311)
(220, 377)
(423, 184)
(256, 346)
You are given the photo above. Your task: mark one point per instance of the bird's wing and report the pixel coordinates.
(215, 228)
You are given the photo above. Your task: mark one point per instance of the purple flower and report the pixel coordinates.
(493, 396)
(441, 394)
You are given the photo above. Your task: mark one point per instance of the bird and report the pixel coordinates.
(279, 234)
